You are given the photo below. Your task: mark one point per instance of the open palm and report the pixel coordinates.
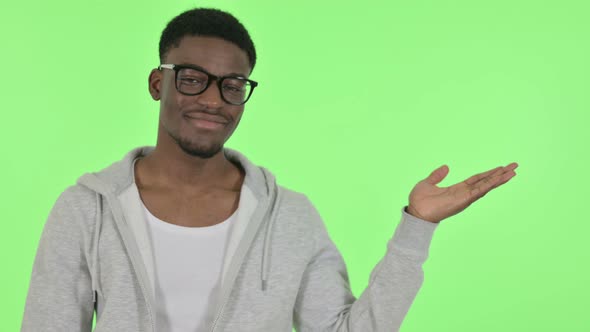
(431, 203)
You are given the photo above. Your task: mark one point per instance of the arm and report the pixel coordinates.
(325, 302)
(60, 292)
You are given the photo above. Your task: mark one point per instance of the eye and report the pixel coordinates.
(192, 77)
(233, 88)
(234, 85)
(191, 80)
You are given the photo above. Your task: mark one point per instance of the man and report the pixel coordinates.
(189, 236)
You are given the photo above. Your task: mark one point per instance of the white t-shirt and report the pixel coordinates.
(188, 263)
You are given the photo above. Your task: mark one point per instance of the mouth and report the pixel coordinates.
(205, 121)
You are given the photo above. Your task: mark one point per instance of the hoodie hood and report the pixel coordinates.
(119, 176)
(115, 186)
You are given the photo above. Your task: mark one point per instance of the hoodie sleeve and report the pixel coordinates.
(60, 293)
(325, 301)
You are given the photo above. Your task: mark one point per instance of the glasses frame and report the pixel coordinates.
(210, 78)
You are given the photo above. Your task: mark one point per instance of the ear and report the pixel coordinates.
(154, 83)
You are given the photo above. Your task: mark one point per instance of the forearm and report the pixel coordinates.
(395, 281)
(325, 302)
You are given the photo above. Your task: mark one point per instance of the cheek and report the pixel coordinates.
(237, 114)
(170, 106)
(169, 102)
(169, 115)
(236, 117)
(167, 109)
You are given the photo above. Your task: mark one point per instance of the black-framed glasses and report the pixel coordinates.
(192, 81)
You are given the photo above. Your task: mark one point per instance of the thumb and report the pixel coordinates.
(437, 175)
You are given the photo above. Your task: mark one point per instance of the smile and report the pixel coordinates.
(200, 122)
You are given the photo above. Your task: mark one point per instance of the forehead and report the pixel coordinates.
(215, 55)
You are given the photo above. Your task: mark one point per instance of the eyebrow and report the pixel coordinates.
(184, 64)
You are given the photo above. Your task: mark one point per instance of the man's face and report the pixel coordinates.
(199, 124)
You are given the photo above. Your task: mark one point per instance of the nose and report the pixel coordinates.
(211, 97)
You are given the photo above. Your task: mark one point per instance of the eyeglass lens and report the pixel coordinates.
(233, 90)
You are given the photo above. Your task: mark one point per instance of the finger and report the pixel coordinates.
(505, 178)
(477, 177)
(482, 187)
(511, 166)
(491, 173)
(498, 171)
(437, 175)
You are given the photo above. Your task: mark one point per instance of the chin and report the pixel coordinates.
(202, 148)
(197, 150)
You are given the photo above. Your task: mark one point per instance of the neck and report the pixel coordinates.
(169, 166)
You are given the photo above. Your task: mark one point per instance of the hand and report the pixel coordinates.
(431, 203)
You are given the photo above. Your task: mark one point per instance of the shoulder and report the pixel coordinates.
(296, 202)
(77, 196)
(77, 199)
(300, 211)
(74, 210)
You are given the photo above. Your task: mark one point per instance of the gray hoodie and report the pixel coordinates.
(280, 270)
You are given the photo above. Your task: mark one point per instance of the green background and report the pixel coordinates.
(357, 102)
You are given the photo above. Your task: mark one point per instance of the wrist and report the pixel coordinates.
(411, 211)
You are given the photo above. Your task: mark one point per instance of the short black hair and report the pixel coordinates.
(207, 22)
